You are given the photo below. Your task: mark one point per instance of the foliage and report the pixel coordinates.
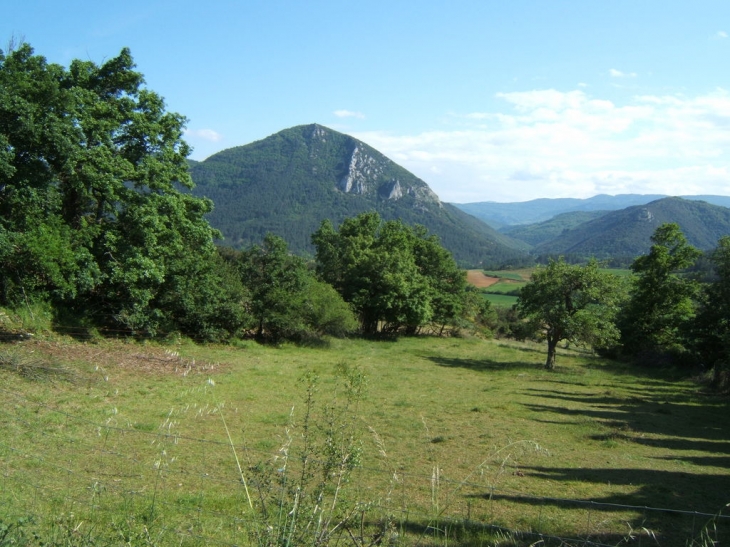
(92, 216)
(657, 316)
(397, 278)
(711, 333)
(573, 303)
(286, 301)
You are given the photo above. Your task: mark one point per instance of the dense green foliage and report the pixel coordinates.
(669, 311)
(657, 316)
(397, 278)
(711, 333)
(286, 301)
(571, 302)
(288, 183)
(91, 217)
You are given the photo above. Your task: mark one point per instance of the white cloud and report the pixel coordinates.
(720, 35)
(349, 114)
(619, 74)
(548, 143)
(204, 134)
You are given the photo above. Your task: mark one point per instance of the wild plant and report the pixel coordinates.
(300, 495)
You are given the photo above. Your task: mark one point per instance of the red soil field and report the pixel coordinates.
(479, 280)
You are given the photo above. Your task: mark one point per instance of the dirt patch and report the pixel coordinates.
(129, 356)
(479, 280)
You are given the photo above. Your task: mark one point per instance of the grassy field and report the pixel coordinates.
(454, 442)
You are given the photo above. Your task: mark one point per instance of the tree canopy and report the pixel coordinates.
(657, 316)
(396, 277)
(286, 301)
(571, 302)
(92, 212)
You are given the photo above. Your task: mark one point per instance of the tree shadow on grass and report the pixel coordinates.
(483, 365)
(666, 502)
(682, 423)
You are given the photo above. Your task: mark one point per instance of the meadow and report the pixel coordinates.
(416, 441)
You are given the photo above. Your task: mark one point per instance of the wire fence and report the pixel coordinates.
(80, 479)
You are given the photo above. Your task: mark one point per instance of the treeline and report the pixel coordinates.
(662, 315)
(96, 226)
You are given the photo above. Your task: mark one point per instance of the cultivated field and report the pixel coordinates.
(453, 442)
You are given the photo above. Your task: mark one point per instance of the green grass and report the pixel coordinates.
(504, 287)
(457, 435)
(515, 275)
(501, 300)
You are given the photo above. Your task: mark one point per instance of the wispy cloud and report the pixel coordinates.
(620, 74)
(720, 35)
(549, 143)
(349, 114)
(204, 134)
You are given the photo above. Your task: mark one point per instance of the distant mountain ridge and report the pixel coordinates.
(499, 215)
(289, 182)
(627, 232)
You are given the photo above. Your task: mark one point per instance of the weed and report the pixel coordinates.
(300, 493)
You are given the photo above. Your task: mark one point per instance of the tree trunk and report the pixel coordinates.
(552, 347)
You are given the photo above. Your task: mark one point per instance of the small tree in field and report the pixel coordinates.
(572, 302)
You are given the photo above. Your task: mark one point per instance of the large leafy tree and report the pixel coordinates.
(571, 302)
(712, 324)
(397, 278)
(93, 212)
(661, 306)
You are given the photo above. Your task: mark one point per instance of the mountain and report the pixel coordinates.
(542, 232)
(289, 182)
(627, 232)
(498, 215)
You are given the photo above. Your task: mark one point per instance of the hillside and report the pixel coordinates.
(289, 182)
(627, 232)
(542, 232)
(498, 215)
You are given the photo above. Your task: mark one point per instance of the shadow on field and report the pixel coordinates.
(684, 424)
(482, 365)
(662, 501)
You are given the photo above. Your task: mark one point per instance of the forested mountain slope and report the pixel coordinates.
(627, 232)
(289, 182)
(542, 232)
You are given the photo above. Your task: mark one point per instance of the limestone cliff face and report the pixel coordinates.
(362, 173)
(369, 173)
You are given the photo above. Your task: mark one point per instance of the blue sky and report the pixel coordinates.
(485, 100)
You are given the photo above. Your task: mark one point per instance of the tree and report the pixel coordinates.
(94, 212)
(711, 330)
(396, 278)
(661, 304)
(571, 302)
(286, 301)
(275, 280)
